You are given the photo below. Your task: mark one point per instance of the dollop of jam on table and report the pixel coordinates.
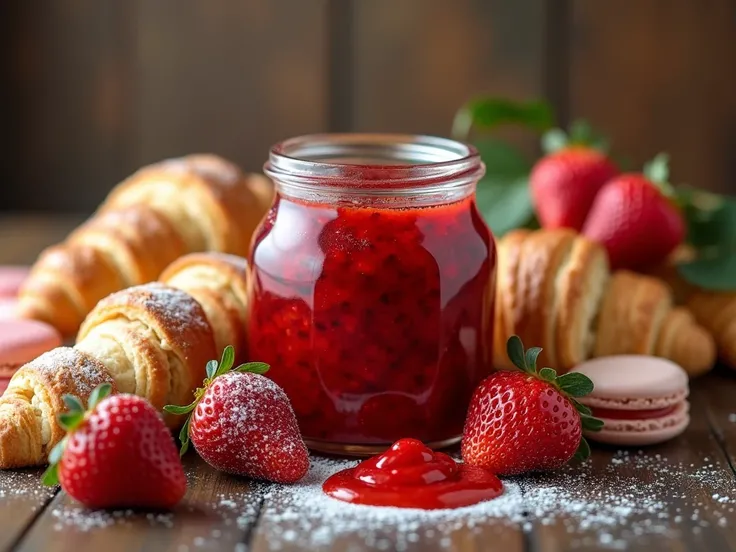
(410, 475)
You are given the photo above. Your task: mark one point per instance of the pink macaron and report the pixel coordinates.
(642, 400)
(11, 278)
(8, 308)
(6, 372)
(24, 340)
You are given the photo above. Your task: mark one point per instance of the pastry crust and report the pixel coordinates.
(686, 343)
(34, 398)
(716, 311)
(155, 341)
(219, 282)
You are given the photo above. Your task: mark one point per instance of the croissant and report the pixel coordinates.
(33, 399)
(717, 312)
(162, 212)
(555, 290)
(219, 282)
(550, 284)
(154, 340)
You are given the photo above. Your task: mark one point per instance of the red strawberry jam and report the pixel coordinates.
(375, 315)
(410, 475)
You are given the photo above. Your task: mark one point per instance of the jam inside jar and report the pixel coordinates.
(372, 288)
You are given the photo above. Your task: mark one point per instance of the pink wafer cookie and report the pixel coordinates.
(24, 340)
(642, 400)
(11, 278)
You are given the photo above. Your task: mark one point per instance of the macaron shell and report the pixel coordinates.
(6, 372)
(11, 279)
(23, 340)
(634, 382)
(8, 308)
(643, 432)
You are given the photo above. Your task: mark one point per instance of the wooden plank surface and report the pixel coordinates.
(22, 500)
(658, 75)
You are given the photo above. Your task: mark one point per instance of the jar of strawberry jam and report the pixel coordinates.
(372, 289)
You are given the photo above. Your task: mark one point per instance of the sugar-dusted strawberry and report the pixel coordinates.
(241, 422)
(564, 183)
(636, 218)
(118, 454)
(527, 420)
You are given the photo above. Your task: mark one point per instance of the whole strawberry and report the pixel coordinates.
(564, 183)
(636, 219)
(243, 423)
(119, 454)
(527, 420)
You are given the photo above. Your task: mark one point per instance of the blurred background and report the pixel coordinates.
(93, 89)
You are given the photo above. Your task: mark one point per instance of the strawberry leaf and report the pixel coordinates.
(69, 421)
(227, 361)
(180, 410)
(548, 374)
(50, 477)
(581, 408)
(554, 140)
(531, 356)
(491, 113)
(657, 170)
(100, 392)
(73, 404)
(184, 437)
(57, 452)
(575, 384)
(211, 368)
(515, 351)
(253, 367)
(583, 451)
(591, 424)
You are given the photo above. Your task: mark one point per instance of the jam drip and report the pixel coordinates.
(410, 475)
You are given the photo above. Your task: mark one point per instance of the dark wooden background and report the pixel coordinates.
(92, 89)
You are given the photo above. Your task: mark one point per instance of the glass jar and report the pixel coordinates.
(372, 289)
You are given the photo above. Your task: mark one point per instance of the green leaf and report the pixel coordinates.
(227, 361)
(658, 170)
(73, 404)
(548, 374)
(490, 113)
(714, 273)
(531, 356)
(57, 452)
(50, 477)
(515, 351)
(591, 424)
(575, 384)
(180, 410)
(211, 368)
(581, 408)
(70, 421)
(583, 451)
(184, 437)
(100, 392)
(554, 140)
(502, 194)
(253, 367)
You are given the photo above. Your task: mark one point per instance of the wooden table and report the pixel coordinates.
(678, 496)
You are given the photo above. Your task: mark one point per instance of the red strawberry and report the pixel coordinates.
(243, 423)
(119, 454)
(528, 420)
(637, 223)
(565, 182)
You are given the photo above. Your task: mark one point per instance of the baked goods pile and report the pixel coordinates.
(555, 289)
(160, 213)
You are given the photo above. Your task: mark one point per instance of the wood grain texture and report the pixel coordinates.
(23, 237)
(418, 61)
(227, 77)
(658, 75)
(70, 71)
(216, 514)
(22, 499)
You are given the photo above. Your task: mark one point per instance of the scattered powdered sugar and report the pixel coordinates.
(24, 485)
(630, 496)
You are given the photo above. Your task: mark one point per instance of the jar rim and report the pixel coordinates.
(375, 161)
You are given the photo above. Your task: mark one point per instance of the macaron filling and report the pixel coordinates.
(649, 414)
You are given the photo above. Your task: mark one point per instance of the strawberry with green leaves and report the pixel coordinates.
(565, 182)
(527, 420)
(117, 454)
(636, 218)
(241, 422)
